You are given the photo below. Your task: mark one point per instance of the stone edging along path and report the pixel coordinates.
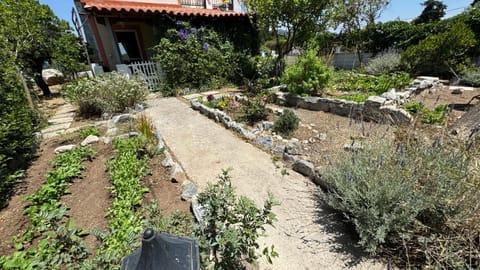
(306, 235)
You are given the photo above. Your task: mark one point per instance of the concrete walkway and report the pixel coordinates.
(307, 235)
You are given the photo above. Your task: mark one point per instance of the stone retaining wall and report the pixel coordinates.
(381, 109)
(377, 109)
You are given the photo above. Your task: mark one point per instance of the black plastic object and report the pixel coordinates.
(163, 252)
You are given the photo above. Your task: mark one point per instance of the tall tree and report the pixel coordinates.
(32, 33)
(291, 22)
(475, 3)
(351, 16)
(433, 11)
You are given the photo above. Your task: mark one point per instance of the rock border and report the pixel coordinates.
(380, 109)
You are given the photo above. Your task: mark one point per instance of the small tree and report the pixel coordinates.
(299, 20)
(353, 15)
(33, 34)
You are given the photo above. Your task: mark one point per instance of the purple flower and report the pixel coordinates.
(179, 23)
(205, 47)
(182, 34)
(210, 97)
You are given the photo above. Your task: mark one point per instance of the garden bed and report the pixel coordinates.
(87, 198)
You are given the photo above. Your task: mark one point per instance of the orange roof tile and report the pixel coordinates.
(145, 7)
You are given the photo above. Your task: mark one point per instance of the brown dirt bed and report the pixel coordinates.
(89, 198)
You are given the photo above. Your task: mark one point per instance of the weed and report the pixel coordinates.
(85, 132)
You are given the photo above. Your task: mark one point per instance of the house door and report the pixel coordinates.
(128, 46)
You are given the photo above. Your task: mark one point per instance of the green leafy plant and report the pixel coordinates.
(112, 92)
(287, 123)
(177, 223)
(194, 58)
(357, 96)
(309, 75)
(230, 227)
(371, 85)
(85, 132)
(435, 116)
(386, 63)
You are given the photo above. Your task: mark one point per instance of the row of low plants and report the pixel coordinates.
(51, 240)
(125, 219)
(416, 202)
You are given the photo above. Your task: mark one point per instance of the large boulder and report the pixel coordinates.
(53, 76)
(468, 126)
(304, 167)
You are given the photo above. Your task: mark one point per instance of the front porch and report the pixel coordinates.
(127, 31)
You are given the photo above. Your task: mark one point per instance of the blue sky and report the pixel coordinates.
(402, 9)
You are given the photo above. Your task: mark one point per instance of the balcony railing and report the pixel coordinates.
(194, 3)
(202, 4)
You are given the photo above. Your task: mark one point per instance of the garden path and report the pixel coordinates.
(307, 234)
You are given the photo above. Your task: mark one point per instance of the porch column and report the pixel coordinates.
(113, 43)
(98, 39)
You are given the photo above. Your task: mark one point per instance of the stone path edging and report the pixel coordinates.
(305, 235)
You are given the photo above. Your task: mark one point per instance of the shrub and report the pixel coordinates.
(442, 53)
(17, 126)
(194, 58)
(471, 77)
(413, 197)
(287, 123)
(254, 109)
(382, 64)
(229, 230)
(258, 72)
(112, 92)
(309, 75)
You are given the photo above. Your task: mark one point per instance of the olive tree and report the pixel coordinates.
(351, 16)
(33, 35)
(290, 22)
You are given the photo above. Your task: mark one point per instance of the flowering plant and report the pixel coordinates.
(194, 58)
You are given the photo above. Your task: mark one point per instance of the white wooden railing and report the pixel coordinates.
(149, 70)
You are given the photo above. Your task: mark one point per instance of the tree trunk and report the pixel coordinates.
(25, 88)
(42, 84)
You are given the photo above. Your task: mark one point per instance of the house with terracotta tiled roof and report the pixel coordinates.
(124, 31)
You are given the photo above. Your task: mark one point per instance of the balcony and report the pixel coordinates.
(216, 4)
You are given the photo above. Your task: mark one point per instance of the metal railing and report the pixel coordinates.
(202, 4)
